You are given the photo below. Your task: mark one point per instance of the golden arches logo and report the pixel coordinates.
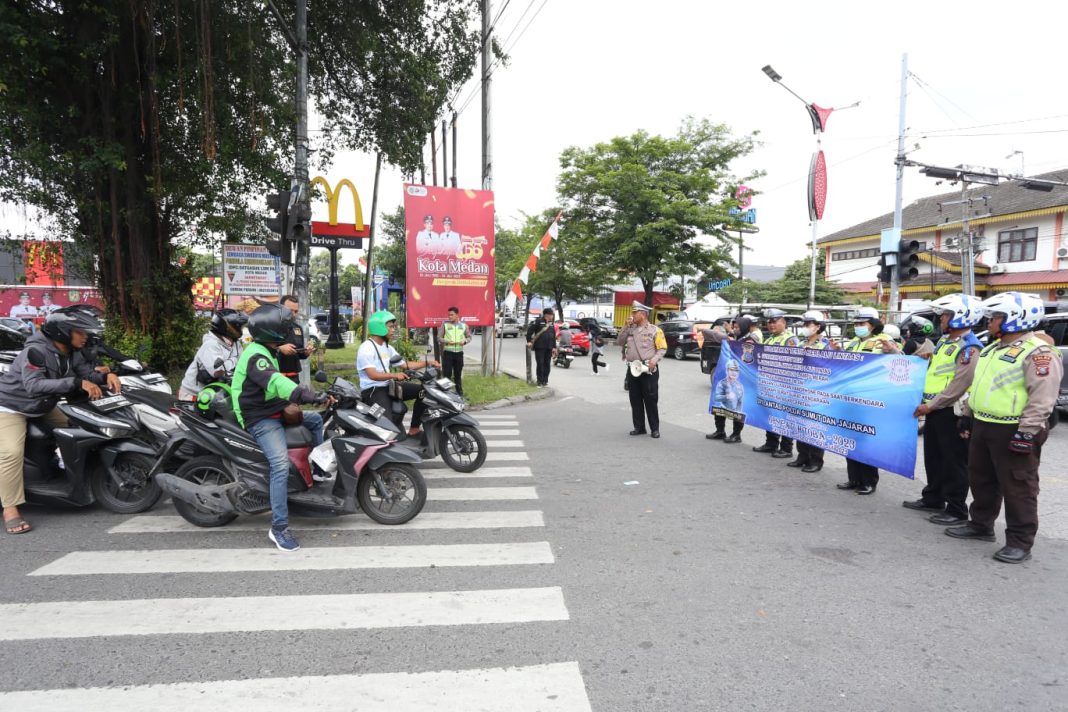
(332, 195)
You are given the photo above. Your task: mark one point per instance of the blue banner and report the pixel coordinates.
(858, 405)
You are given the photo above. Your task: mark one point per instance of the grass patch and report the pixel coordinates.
(486, 389)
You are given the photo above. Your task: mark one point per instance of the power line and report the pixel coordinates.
(925, 85)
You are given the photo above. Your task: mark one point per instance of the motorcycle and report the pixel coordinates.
(564, 356)
(445, 429)
(101, 461)
(373, 473)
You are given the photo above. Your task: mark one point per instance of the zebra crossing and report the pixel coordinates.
(467, 507)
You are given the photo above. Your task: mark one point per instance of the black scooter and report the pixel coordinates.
(373, 474)
(564, 356)
(102, 460)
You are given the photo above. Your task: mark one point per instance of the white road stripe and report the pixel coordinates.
(503, 443)
(494, 418)
(490, 433)
(556, 687)
(162, 616)
(439, 473)
(170, 524)
(265, 558)
(462, 494)
(491, 456)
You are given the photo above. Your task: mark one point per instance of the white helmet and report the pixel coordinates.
(866, 314)
(1022, 311)
(893, 331)
(964, 311)
(812, 315)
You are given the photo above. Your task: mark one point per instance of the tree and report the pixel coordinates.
(131, 124)
(348, 276)
(793, 286)
(642, 201)
(391, 255)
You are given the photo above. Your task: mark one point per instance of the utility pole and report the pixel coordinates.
(453, 184)
(444, 154)
(898, 195)
(301, 268)
(967, 262)
(487, 159)
(370, 250)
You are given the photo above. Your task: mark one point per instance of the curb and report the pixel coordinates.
(541, 394)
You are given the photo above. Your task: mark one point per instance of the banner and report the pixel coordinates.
(516, 292)
(858, 405)
(249, 270)
(449, 235)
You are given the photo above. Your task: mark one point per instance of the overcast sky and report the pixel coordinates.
(583, 72)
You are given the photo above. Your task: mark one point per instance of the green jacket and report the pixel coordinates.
(259, 390)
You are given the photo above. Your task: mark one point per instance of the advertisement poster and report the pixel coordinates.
(450, 254)
(249, 269)
(858, 405)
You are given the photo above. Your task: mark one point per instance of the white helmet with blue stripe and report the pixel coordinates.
(1022, 312)
(964, 311)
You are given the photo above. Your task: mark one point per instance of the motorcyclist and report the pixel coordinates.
(260, 395)
(44, 372)
(918, 335)
(218, 353)
(373, 364)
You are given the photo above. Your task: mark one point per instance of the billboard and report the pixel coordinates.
(450, 242)
(249, 270)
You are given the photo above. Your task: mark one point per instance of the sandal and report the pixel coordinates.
(18, 525)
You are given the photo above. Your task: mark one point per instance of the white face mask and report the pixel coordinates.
(812, 330)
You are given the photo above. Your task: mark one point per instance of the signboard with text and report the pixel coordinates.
(450, 243)
(250, 270)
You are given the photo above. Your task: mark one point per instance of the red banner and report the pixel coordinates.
(450, 243)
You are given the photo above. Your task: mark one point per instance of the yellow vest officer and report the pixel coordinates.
(779, 446)
(809, 457)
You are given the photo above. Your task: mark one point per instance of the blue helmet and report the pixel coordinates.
(964, 311)
(1022, 312)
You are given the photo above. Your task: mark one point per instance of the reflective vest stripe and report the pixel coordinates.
(999, 392)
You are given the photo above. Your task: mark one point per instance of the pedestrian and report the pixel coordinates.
(1014, 390)
(454, 335)
(740, 330)
(809, 457)
(596, 349)
(541, 339)
(868, 328)
(779, 446)
(949, 375)
(643, 347)
(292, 351)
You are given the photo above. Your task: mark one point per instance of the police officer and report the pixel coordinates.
(778, 446)
(292, 352)
(949, 374)
(868, 328)
(809, 457)
(643, 342)
(741, 330)
(1014, 390)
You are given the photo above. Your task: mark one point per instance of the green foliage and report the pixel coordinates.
(356, 325)
(390, 254)
(408, 350)
(791, 288)
(167, 351)
(640, 202)
(348, 277)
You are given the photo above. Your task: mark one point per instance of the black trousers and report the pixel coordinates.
(779, 442)
(997, 475)
(543, 359)
(644, 392)
(945, 458)
(861, 474)
(809, 454)
(452, 363)
(595, 360)
(380, 395)
(721, 423)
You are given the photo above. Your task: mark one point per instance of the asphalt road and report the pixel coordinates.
(583, 569)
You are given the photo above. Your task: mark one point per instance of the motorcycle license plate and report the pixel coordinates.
(377, 411)
(106, 405)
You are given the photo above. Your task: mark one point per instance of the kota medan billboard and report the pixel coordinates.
(449, 237)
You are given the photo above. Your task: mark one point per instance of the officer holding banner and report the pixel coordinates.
(739, 331)
(949, 374)
(867, 326)
(809, 457)
(778, 446)
(1014, 390)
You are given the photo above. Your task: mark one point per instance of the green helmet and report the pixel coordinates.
(377, 324)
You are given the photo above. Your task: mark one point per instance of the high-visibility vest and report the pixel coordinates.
(943, 364)
(999, 392)
(820, 345)
(780, 340)
(455, 332)
(870, 344)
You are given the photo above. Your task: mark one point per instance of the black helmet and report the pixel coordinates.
(271, 324)
(62, 322)
(227, 323)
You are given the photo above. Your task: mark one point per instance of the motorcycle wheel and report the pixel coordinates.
(203, 471)
(404, 497)
(136, 493)
(462, 447)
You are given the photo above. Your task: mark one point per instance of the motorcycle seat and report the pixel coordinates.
(297, 436)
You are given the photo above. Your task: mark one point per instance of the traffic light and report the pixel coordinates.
(278, 223)
(907, 260)
(885, 271)
(299, 222)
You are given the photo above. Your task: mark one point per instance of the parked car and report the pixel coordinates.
(681, 337)
(580, 340)
(11, 342)
(604, 325)
(508, 326)
(1056, 325)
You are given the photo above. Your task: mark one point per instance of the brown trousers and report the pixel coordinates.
(12, 448)
(995, 473)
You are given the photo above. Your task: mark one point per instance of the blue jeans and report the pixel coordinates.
(270, 433)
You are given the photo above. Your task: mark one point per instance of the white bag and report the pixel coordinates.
(323, 456)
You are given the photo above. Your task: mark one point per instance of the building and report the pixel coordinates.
(1018, 238)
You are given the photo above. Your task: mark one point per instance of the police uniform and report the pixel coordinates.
(1014, 390)
(945, 453)
(454, 337)
(778, 445)
(289, 366)
(862, 475)
(642, 343)
(810, 457)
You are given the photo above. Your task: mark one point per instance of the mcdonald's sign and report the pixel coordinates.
(330, 233)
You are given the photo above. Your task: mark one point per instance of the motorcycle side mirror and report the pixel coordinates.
(320, 376)
(396, 359)
(131, 365)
